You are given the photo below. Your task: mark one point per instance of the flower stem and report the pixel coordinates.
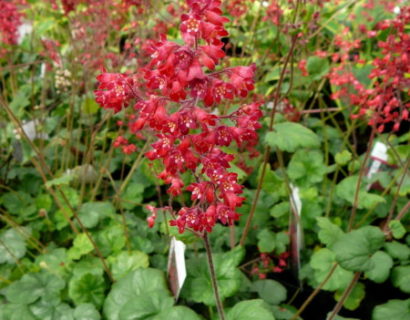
(314, 293)
(267, 149)
(359, 180)
(213, 277)
(345, 295)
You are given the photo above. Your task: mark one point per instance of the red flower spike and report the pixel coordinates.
(120, 141)
(129, 149)
(10, 20)
(379, 104)
(173, 104)
(153, 216)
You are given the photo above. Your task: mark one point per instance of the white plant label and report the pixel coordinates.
(176, 266)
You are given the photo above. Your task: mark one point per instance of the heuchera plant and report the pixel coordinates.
(176, 103)
(382, 102)
(10, 20)
(91, 25)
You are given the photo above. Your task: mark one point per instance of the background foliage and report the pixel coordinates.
(74, 243)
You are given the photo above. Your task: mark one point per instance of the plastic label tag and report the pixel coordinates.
(295, 228)
(176, 266)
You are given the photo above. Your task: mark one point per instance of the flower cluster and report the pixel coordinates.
(383, 103)
(69, 5)
(267, 264)
(237, 8)
(91, 25)
(10, 20)
(177, 105)
(274, 13)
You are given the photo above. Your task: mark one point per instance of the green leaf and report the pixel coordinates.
(89, 106)
(177, 313)
(251, 309)
(355, 249)
(270, 291)
(290, 136)
(401, 278)
(52, 310)
(33, 286)
(55, 261)
(65, 179)
(272, 183)
(282, 240)
(12, 246)
(70, 194)
(346, 190)
(263, 205)
(317, 67)
(355, 297)
(307, 168)
(329, 233)
(404, 186)
(142, 292)
(382, 264)
(86, 311)
(20, 99)
(88, 288)
(60, 218)
(13, 311)
(397, 229)
(91, 213)
(88, 264)
(309, 193)
(393, 309)
(322, 262)
(198, 286)
(397, 250)
(146, 307)
(266, 241)
(44, 201)
(44, 25)
(343, 158)
(280, 209)
(284, 312)
(132, 195)
(81, 246)
(19, 203)
(111, 239)
(126, 262)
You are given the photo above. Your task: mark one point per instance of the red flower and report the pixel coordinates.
(203, 191)
(242, 79)
(176, 186)
(114, 91)
(153, 216)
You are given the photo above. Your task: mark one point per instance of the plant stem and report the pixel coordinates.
(314, 293)
(403, 211)
(267, 149)
(232, 236)
(359, 180)
(345, 295)
(213, 277)
(42, 167)
(256, 198)
(396, 196)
